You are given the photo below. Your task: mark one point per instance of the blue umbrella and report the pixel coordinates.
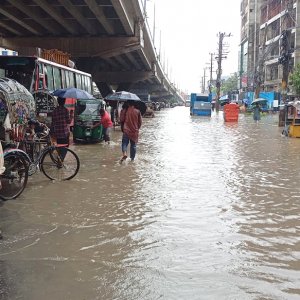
(72, 93)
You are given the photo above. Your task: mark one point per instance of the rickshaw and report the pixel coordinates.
(86, 115)
(292, 119)
(16, 107)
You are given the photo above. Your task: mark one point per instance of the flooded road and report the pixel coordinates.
(207, 211)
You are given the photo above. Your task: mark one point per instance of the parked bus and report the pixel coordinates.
(41, 77)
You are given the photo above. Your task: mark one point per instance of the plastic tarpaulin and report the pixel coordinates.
(269, 96)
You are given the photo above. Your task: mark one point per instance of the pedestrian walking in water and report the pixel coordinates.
(256, 112)
(123, 115)
(60, 126)
(106, 123)
(132, 123)
(61, 120)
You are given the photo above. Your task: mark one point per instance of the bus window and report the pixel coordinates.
(67, 76)
(90, 85)
(83, 83)
(71, 78)
(63, 79)
(41, 77)
(49, 78)
(41, 81)
(78, 81)
(86, 81)
(57, 78)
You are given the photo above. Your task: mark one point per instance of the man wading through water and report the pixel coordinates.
(132, 120)
(60, 129)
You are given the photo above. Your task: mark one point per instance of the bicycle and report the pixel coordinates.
(57, 162)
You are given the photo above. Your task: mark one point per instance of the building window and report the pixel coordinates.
(272, 72)
(4, 52)
(273, 29)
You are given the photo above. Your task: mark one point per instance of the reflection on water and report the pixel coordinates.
(207, 211)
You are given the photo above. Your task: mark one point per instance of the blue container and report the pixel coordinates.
(200, 105)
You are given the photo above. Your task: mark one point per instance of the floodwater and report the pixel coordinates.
(207, 211)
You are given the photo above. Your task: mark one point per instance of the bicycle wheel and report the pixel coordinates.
(59, 163)
(15, 176)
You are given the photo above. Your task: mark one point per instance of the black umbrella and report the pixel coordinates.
(124, 96)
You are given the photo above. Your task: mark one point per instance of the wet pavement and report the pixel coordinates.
(207, 211)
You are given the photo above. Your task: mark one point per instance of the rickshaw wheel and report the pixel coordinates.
(15, 176)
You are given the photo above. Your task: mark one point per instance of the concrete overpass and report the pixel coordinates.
(107, 38)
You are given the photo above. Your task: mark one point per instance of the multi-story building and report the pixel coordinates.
(264, 26)
(278, 19)
(249, 46)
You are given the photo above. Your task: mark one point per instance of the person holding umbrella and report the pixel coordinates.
(132, 121)
(256, 112)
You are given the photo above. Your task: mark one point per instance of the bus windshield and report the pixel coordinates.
(19, 68)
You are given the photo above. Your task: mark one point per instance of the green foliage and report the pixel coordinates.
(214, 90)
(294, 79)
(230, 84)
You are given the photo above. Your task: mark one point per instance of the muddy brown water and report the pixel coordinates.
(207, 211)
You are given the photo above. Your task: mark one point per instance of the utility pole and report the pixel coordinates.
(219, 58)
(204, 80)
(211, 71)
(258, 75)
(284, 60)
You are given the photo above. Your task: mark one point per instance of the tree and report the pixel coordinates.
(230, 84)
(294, 79)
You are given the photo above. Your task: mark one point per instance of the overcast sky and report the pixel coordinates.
(189, 31)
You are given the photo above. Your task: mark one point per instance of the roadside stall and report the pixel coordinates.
(292, 119)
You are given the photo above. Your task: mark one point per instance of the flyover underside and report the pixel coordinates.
(107, 38)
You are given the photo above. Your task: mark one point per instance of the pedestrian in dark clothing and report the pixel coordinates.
(59, 128)
(256, 112)
(123, 115)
